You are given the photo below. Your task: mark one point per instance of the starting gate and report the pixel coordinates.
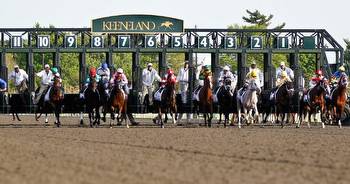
(137, 34)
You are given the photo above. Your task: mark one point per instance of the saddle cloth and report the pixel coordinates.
(196, 95)
(158, 94)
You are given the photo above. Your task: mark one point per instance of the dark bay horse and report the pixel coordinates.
(315, 100)
(167, 103)
(283, 100)
(226, 100)
(338, 99)
(92, 102)
(18, 103)
(55, 102)
(118, 103)
(206, 99)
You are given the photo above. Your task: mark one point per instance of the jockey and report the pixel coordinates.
(120, 77)
(201, 77)
(104, 72)
(19, 76)
(282, 78)
(3, 85)
(56, 75)
(92, 75)
(170, 77)
(337, 75)
(260, 76)
(227, 74)
(46, 76)
(282, 68)
(316, 78)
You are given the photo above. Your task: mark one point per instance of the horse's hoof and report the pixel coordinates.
(119, 124)
(81, 122)
(134, 123)
(103, 119)
(154, 121)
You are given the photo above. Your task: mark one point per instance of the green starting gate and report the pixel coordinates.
(138, 34)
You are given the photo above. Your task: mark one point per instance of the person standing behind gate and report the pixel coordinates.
(46, 77)
(183, 80)
(19, 78)
(149, 75)
(282, 68)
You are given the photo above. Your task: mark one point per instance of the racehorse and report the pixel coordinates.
(225, 99)
(118, 103)
(104, 97)
(166, 103)
(283, 99)
(312, 101)
(18, 103)
(55, 102)
(248, 101)
(338, 99)
(92, 102)
(206, 99)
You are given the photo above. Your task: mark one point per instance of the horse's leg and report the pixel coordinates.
(339, 112)
(322, 115)
(309, 118)
(111, 121)
(239, 114)
(46, 118)
(160, 117)
(81, 118)
(98, 116)
(57, 116)
(90, 117)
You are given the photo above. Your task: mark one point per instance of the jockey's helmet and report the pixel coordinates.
(120, 70)
(341, 69)
(92, 72)
(226, 68)
(104, 65)
(318, 72)
(253, 74)
(54, 70)
(170, 72)
(284, 74)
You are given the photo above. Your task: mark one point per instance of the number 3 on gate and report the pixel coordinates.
(256, 42)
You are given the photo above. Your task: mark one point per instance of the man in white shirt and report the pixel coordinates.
(149, 75)
(46, 77)
(282, 68)
(183, 81)
(19, 78)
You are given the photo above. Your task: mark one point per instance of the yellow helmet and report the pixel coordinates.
(253, 74)
(342, 69)
(283, 74)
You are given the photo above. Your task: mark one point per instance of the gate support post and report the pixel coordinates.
(215, 67)
(31, 77)
(191, 77)
(136, 80)
(269, 71)
(242, 69)
(3, 69)
(162, 63)
(298, 78)
(109, 61)
(82, 69)
(56, 60)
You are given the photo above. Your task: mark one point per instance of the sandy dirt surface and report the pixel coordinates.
(32, 153)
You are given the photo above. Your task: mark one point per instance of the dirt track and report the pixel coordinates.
(35, 154)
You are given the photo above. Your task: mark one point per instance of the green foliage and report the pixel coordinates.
(259, 20)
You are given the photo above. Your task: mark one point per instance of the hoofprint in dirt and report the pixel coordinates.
(174, 155)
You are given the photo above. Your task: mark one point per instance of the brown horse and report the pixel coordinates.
(118, 103)
(55, 102)
(338, 99)
(92, 102)
(167, 103)
(206, 99)
(315, 100)
(283, 100)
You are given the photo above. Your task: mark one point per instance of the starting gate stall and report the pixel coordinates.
(142, 34)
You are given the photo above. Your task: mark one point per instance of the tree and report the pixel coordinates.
(259, 20)
(347, 51)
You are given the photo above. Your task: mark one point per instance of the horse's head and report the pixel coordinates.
(93, 84)
(253, 85)
(289, 87)
(343, 81)
(208, 80)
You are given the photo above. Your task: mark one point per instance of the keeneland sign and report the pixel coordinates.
(137, 24)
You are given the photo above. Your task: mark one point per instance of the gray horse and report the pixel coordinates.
(247, 101)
